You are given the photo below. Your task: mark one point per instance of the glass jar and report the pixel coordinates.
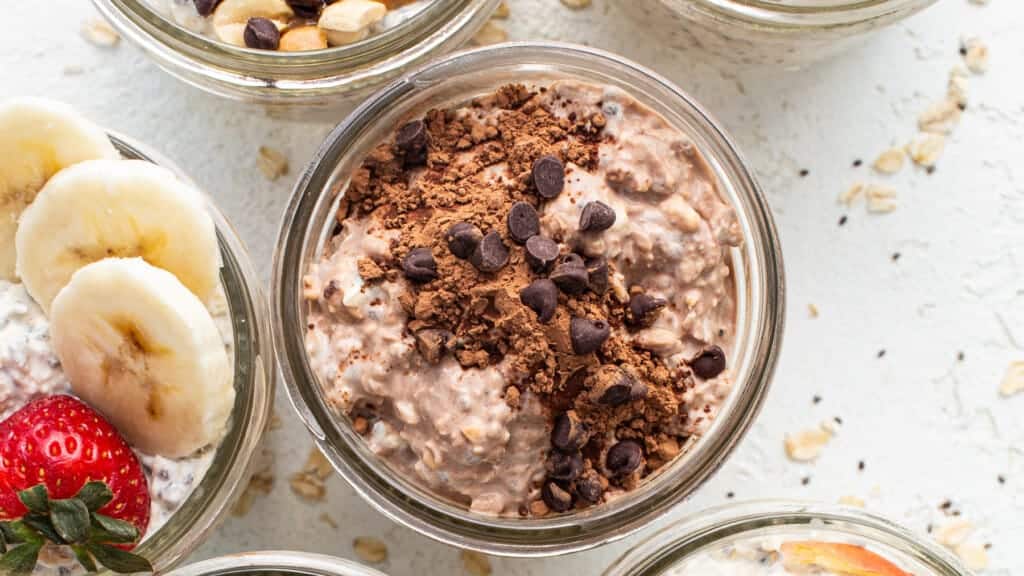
(275, 563)
(454, 80)
(254, 373)
(784, 32)
(290, 79)
(677, 544)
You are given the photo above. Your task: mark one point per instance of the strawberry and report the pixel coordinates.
(68, 477)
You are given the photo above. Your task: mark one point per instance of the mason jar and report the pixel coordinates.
(787, 33)
(695, 544)
(275, 563)
(289, 80)
(456, 79)
(254, 379)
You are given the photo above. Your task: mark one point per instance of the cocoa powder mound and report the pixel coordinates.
(478, 163)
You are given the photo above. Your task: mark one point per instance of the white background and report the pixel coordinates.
(928, 426)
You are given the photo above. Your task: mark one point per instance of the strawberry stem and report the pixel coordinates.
(72, 522)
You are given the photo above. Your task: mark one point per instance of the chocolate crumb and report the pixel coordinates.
(842, 220)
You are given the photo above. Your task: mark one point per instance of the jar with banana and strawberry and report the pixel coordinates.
(116, 350)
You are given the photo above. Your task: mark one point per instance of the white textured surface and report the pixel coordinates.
(929, 427)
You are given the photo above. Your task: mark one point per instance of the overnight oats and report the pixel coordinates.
(289, 25)
(783, 539)
(529, 304)
(116, 350)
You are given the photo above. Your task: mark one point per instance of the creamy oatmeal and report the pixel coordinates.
(529, 305)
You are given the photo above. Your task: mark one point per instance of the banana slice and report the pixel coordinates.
(138, 346)
(38, 138)
(121, 208)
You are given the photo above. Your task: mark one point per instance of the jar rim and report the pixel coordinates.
(806, 13)
(303, 77)
(695, 532)
(254, 364)
(273, 561)
(405, 503)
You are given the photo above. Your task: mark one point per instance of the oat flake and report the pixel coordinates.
(272, 163)
(852, 501)
(1013, 381)
(881, 199)
(954, 533)
(502, 11)
(852, 194)
(576, 4)
(925, 149)
(890, 161)
(806, 445)
(974, 555)
(490, 33)
(476, 563)
(813, 310)
(975, 55)
(370, 550)
(98, 32)
(941, 117)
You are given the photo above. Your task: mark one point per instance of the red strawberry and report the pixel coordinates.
(68, 478)
(60, 442)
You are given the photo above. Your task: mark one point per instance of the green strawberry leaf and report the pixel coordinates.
(84, 558)
(113, 531)
(95, 495)
(20, 559)
(118, 560)
(35, 499)
(25, 533)
(70, 518)
(42, 525)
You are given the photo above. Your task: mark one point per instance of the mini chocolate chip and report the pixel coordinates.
(596, 217)
(644, 309)
(308, 9)
(523, 222)
(462, 239)
(570, 275)
(491, 254)
(569, 434)
(619, 392)
(262, 34)
(597, 274)
(431, 343)
(541, 296)
(589, 488)
(205, 7)
(565, 466)
(624, 457)
(419, 265)
(548, 176)
(588, 335)
(541, 253)
(556, 497)
(411, 139)
(709, 363)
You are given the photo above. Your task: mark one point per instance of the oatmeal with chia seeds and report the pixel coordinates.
(29, 369)
(529, 303)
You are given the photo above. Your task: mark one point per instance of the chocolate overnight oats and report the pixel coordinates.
(528, 303)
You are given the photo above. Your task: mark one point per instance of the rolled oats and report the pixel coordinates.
(502, 11)
(812, 309)
(490, 33)
(308, 483)
(941, 117)
(852, 194)
(925, 149)
(881, 199)
(890, 161)
(576, 4)
(954, 532)
(476, 563)
(1013, 381)
(975, 54)
(973, 555)
(806, 445)
(370, 550)
(272, 163)
(852, 501)
(98, 32)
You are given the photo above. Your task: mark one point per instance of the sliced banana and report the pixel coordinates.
(230, 17)
(138, 346)
(349, 21)
(121, 208)
(37, 139)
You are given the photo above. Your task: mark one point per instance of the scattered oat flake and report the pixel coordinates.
(370, 550)
(272, 163)
(576, 4)
(1013, 381)
(308, 483)
(975, 55)
(852, 501)
(954, 533)
(260, 484)
(502, 11)
(99, 33)
(881, 199)
(476, 563)
(275, 421)
(974, 555)
(852, 194)
(806, 445)
(925, 149)
(941, 117)
(956, 88)
(326, 519)
(490, 33)
(890, 161)
(812, 310)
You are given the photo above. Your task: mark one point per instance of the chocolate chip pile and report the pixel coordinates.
(466, 188)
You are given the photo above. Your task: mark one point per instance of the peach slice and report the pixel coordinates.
(845, 559)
